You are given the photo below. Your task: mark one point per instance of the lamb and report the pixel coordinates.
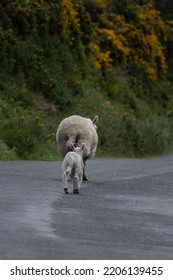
(73, 166)
(76, 130)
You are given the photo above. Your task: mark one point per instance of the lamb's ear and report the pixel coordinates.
(72, 147)
(95, 120)
(82, 147)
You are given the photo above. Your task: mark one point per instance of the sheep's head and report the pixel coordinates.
(95, 121)
(78, 150)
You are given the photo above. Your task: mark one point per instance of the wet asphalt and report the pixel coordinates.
(124, 211)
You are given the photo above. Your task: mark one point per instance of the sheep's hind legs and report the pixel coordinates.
(85, 177)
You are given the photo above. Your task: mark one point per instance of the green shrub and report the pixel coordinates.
(20, 139)
(5, 152)
(154, 135)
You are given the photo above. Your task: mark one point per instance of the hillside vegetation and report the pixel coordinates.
(111, 58)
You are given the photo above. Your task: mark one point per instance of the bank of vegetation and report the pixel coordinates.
(111, 58)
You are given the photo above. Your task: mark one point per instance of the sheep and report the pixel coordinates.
(73, 166)
(77, 130)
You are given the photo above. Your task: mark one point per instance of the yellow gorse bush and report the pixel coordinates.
(69, 17)
(142, 43)
(99, 58)
(108, 38)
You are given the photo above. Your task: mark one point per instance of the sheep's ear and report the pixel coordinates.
(95, 120)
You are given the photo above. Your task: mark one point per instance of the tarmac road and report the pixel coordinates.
(124, 211)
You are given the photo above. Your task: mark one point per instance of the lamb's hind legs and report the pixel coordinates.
(65, 180)
(76, 184)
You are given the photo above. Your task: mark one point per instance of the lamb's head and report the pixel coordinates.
(95, 121)
(78, 150)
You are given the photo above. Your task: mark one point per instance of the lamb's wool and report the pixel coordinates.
(73, 166)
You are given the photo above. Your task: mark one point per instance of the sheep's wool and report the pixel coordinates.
(77, 130)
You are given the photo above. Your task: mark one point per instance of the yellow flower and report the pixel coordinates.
(97, 65)
(108, 103)
(77, 82)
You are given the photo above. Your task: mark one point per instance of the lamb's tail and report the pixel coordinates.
(67, 165)
(68, 171)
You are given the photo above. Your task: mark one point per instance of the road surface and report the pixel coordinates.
(124, 211)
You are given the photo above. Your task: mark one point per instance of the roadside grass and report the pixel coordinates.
(126, 129)
(120, 138)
